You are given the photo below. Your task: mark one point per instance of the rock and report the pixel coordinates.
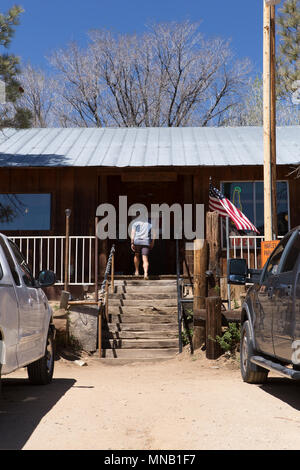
(60, 313)
(61, 327)
(83, 326)
(80, 363)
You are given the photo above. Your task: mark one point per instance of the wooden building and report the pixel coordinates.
(45, 171)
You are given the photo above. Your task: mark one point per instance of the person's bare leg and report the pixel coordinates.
(136, 261)
(145, 265)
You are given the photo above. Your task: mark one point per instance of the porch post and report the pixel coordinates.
(68, 213)
(228, 257)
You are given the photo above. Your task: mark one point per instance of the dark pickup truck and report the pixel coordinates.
(270, 319)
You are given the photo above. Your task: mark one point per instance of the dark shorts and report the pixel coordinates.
(142, 249)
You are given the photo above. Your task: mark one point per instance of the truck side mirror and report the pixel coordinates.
(237, 271)
(46, 278)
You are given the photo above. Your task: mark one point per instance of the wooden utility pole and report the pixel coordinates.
(273, 121)
(200, 267)
(269, 117)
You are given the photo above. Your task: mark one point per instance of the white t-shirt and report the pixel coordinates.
(142, 232)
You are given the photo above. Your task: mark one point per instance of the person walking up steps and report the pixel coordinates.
(142, 241)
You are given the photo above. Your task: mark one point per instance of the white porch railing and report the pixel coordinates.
(48, 253)
(248, 247)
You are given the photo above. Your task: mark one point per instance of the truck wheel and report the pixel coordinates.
(40, 372)
(251, 373)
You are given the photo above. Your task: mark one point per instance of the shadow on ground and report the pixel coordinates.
(285, 390)
(22, 406)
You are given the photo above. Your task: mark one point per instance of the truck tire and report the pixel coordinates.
(40, 372)
(251, 373)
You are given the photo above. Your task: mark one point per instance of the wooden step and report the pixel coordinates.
(135, 335)
(141, 343)
(133, 310)
(141, 296)
(142, 320)
(131, 318)
(121, 361)
(146, 289)
(143, 303)
(131, 281)
(126, 296)
(143, 326)
(136, 354)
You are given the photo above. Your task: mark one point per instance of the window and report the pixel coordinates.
(10, 262)
(27, 276)
(249, 198)
(273, 264)
(292, 256)
(25, 211)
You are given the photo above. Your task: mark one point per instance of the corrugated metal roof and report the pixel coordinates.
(144, 147)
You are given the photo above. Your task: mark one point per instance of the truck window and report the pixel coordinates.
(27, 276)
(292, 256)
(10, 262)
(273, 263)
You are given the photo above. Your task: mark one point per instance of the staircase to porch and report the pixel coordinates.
(142, 318)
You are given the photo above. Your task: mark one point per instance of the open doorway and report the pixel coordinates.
(157, 191)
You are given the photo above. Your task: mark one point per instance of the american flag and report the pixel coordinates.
(218, 202)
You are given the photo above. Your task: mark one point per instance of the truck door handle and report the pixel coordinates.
(288, 290)
(270, 291)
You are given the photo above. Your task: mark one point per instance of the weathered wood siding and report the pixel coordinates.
(83, 189)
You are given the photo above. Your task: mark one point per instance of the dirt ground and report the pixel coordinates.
(183, 403)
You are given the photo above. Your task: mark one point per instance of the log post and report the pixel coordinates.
(200, 266)
(214, 248)
(96, 258)
(100, 307)
(67, 244)
(213, 327)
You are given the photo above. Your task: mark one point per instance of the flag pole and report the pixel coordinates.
(228, 257)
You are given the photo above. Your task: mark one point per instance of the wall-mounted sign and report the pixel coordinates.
(266, 250)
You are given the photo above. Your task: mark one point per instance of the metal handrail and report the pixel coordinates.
(180, 302)
(103, 295)
(109, 265)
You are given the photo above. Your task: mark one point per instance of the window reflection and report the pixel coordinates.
(25, 211)
(249, 198)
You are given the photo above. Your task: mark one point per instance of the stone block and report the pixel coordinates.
(83, 326)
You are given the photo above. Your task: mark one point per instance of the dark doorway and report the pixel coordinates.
(161, 189)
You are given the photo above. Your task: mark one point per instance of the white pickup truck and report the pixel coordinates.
(26, 327)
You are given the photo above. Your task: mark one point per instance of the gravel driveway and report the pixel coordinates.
(183, 403)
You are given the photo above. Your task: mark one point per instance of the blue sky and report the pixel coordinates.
(48, 24)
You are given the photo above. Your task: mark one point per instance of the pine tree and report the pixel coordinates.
(289, 47)
(11, 115)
